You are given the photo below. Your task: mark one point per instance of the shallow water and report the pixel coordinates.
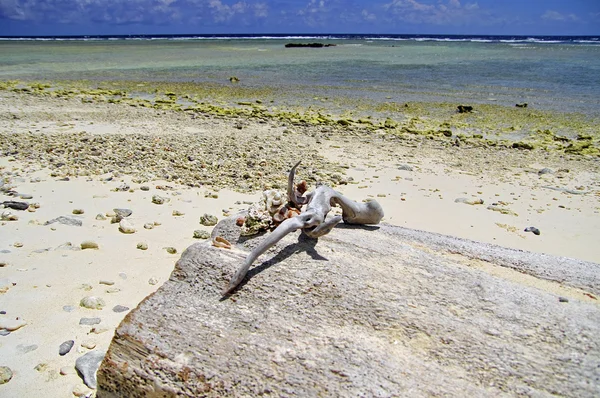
(547, 75)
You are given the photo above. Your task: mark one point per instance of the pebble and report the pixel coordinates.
(545, 170)
(89, 244)
(532, 229)
(18, 244)
(142, 246)
(122, 188)
(563, 300)
(177, 213)
(106, 282)
(120, 308)
(145, 188)
(91, 302)
(87, 365)
(405, 167)
(126, 227)
(78, 211)
(469, 201)
(12, 324)
(200, 234)
(148, 226)
(158, 200)
(113, 290)
(90, 345)
(74, 222)
(100, 216)
(123, 212)
(89, 321)
(208, 220)
(11, 204)
(66, 346)
(171, 250)
(5, 374)
(153, 281)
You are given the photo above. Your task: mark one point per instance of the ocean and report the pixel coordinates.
(550, 72)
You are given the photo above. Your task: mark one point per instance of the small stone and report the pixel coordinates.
(171, 250)
(11, 324)
(120, 308)
(200, 234)
(18, 244)
(74, 222)
(153, 281)
(100, 217)
(545, 170)
(81, 391)
(93, 303)
(208, 220)
(158, 200)
(89, 244)
(532, 229)
(90, 345)
(405, 167)
(66, 347)
(106, 282)
(5, 374)
(563, 300)
(177, 213)
(142, 246)
(122, 188)
(68, 308)
(89, 321)
(126, 227)
(149, 226)
(123, 212)
(78, 211)
(145, 188)
(113, 290)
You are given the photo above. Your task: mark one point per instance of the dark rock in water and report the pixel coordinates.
(87, 366)
(532, 229)
(66, 221)
(65, 347)
(521, 105)
(310, 45)
(362, 311)
(465, 109)
(15, 205)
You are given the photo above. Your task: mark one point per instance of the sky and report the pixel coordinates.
(126, 17)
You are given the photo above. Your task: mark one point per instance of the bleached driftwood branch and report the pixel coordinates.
(312, 221)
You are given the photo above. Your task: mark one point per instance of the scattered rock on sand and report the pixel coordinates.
(120, 308)
(15, 205)
(106, 282)
(158, 200)
(9, 216)
(89, 321)
(92, 302)
(87, 366)
(149, 226)
(100, 217)
(65, 221)
(208, 220)
(11, 324)
(142, 246)
(126, 227)
(200, 234)
(78, 211)
(545, 170)
(405, 167)
(177, 213)
(5, 374)
(171, 250)
(153, 281)
(65, 347)
(532, 229)
(123, 212)
(81, 391)
(89, 244)
(469, 201)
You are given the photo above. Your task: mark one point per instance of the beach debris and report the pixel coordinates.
(312, 220)
(87, 366)
(465, 109)
(65, 221)
(92, 302)
(89, 244)
(12, 324)
(120, 308)
(521, 105)
(11, 204)
(219, 241)
(5, 374)
(65, 347)
(9, 216)
(532, 229)
(149, 225)
(201, 234)
(208, 220)
(309, 45)
(126, 227)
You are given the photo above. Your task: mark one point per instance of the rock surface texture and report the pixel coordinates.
(364, 311)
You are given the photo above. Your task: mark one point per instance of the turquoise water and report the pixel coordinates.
(547, 75)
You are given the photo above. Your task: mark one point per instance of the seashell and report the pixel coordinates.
(221, 242)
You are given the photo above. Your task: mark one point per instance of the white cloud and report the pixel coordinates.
(556, 16)
(448, 12)
(367, 16)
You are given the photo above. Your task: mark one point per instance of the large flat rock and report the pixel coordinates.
(364, 311)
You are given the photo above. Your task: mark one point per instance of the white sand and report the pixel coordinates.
(45, 275)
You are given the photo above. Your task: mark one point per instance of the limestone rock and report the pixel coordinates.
(92, 302)
(363, 311)
(87, 366)
(126, 227)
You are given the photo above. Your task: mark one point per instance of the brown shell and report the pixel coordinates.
(221, 242)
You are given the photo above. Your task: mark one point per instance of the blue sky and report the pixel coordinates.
(111, 17)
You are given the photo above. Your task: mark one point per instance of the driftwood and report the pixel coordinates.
(312, 221)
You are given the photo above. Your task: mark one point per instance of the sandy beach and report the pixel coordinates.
(205, 164)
